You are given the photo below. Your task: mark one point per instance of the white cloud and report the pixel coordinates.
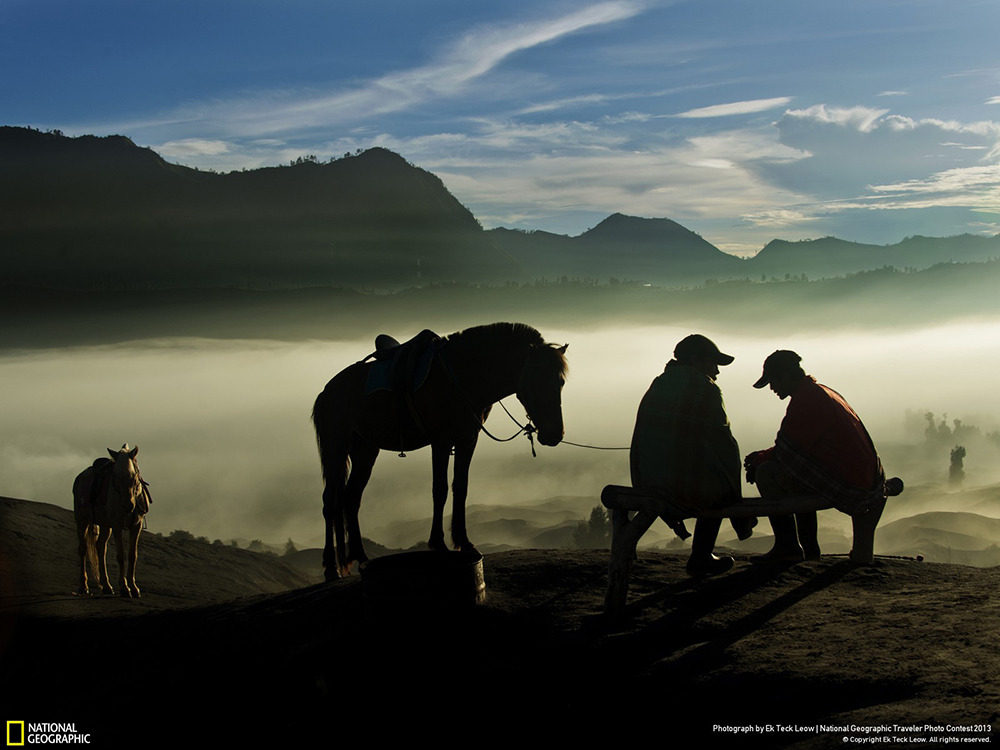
(967, 181)
(736, 108)
(860, 118)
(188, 147)
(778, 218)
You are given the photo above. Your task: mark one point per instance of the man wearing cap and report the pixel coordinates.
(822, 448)
(683, 446)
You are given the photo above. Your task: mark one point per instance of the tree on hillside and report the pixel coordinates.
(956, 472)
(594, 532)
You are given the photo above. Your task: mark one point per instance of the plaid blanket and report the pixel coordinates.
(846, 498)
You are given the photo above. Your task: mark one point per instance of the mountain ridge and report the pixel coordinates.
(102, 212)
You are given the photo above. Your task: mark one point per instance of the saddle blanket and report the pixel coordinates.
(403, 368)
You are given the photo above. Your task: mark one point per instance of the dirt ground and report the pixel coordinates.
(810, 655)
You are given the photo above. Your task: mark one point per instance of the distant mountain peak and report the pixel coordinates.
(636, 228)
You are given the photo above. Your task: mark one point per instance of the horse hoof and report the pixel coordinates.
(125, 593)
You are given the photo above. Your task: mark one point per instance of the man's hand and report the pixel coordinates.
(750, 464)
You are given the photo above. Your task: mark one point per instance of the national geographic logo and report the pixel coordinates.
(20, 733)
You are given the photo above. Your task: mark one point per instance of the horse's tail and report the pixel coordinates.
(322, 420)
(335, 463)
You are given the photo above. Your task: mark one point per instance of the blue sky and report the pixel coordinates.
(865, 119)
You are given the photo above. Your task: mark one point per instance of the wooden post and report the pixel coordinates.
(625, 535)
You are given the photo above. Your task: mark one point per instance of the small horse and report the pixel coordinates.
(114, 505)
(469, 372)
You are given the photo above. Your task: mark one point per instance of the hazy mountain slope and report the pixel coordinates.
(944, 536)
(101, 212)
(626, 248)
(830, 256)
(43, 539)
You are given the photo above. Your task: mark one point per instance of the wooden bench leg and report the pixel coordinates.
(625, 535)
(863, 548)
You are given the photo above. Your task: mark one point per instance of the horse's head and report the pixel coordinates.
(125, 474)
(540, 390)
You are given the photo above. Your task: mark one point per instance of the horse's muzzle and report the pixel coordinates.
(550, 437)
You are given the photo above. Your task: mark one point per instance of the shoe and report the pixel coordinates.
(811, 553)
(699, 567)
(776, 555)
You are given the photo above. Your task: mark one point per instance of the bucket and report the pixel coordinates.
(423, 581)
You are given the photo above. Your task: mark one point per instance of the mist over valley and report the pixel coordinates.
(207, 344)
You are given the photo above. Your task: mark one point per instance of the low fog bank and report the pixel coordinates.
(227, 445)
(886, 299)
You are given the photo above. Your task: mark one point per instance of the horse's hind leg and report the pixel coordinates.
(440, 456)
(363, 455)
(335, 474)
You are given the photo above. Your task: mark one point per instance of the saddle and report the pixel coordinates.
(401, 368)
(100, 479)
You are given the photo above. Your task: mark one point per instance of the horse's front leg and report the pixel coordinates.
(133, 556)
(120, 553)
(440, 456)
(103, 534)
(459, 492)
(82, 533)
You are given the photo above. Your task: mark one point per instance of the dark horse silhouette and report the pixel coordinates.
(469, 372)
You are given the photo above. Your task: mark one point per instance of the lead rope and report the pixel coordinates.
(529, 429)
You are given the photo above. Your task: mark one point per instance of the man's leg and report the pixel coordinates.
(808, 527)
(773, 482)
(702, 562)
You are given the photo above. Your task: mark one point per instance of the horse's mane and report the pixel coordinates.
(520, 334)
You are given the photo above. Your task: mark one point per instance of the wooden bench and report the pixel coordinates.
(648, 506)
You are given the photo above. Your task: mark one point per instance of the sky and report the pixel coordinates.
(870, 120)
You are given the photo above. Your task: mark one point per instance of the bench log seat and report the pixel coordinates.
(647, 505)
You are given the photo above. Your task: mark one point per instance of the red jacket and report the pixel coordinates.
(825, 426)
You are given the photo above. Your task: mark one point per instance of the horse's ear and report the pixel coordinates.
(112, 453)
(562, 349)
(134, 452)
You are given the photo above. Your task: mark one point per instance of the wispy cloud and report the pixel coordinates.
(737, 108)
(187, 147)
(860, 118)
(469, 58)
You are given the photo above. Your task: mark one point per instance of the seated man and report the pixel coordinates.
(822, 448)
(683, 446)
